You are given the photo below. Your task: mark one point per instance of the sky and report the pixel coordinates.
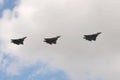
(33, 72)
(36, 71)
(7, 4)
(72, 58)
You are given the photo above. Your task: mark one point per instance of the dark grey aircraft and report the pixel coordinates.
(18, 41)
(51, 40)
(91, 37)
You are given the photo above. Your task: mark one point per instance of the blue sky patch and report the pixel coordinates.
(32, 72)
(7, 4)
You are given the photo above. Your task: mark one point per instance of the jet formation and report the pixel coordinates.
(53, 40)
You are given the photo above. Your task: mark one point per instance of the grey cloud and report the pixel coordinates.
(71, 19)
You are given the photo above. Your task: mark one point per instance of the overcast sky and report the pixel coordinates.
(79, 59)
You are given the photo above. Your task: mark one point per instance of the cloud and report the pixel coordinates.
(1, 2)
(33, 72)
(6, 5)
(71, 19)
(13, 69)
(45, 72)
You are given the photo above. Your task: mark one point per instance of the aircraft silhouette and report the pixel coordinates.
(91, 37)
(18, 41)
(51, 40)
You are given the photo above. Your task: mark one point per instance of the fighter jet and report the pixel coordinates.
(51, 40)
(18, 41)
(91, 37)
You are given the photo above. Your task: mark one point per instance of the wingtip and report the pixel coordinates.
(25, 37)
(99, 32)
(59, 36)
